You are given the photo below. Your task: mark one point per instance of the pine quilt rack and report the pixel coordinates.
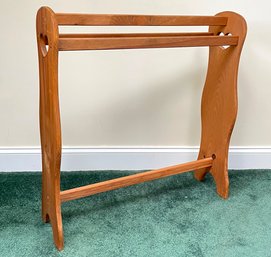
(218, 104)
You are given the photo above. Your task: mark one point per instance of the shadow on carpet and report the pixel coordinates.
(175, 216)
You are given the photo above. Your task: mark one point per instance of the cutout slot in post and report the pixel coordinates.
(44, 44)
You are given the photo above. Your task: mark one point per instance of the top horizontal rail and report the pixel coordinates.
(138, 20)
(122, 35)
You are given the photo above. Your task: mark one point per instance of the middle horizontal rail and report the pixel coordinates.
(79, 192)
(72, 44)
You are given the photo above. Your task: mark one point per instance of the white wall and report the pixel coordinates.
(132, 97)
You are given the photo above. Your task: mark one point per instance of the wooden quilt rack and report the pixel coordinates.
(218, 106)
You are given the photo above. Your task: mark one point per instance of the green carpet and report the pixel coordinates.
(175, 216)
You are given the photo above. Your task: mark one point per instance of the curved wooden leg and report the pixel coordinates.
(219, 102)
(50, 129)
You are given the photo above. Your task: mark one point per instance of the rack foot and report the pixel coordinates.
(200, 174)
(219, 172)
(51, 212)
(56, 223)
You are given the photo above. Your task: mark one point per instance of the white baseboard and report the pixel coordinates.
(119, 158)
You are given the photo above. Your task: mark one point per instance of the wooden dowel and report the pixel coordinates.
(138, 20)
(112, 184)
(72, 44)
(114, 35)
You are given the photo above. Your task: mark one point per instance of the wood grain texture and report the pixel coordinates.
(219, 102)
(138, 20)
(113, 184)
(72, 44)
(50, 132)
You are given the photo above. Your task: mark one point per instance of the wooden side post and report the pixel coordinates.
(219, 102)
(50, 133)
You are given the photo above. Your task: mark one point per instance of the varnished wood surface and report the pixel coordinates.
(113, 184)
(137, 20)
(72, 44)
